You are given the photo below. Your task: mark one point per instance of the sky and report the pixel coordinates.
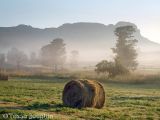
(53, 13)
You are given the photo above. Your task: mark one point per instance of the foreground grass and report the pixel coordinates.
(36, 96)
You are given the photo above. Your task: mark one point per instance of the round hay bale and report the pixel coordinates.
(83, 93)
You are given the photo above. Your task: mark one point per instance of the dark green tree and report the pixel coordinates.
(102, 67)
(125, 47)
(111, 68)
(53, 54)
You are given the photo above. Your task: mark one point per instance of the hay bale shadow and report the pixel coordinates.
(38, 105)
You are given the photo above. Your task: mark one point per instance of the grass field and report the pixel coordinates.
(40, 98)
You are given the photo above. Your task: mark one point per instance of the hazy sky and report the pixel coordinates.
(52, 13)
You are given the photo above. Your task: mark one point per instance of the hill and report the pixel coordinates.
(93, 40)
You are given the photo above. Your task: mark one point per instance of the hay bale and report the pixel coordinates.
(83, 93)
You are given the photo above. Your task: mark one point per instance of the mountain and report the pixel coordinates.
(93, 40)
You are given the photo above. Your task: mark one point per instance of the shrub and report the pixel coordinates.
(111, 68)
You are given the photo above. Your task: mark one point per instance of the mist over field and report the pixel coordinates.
(79, 60)
(93, 41)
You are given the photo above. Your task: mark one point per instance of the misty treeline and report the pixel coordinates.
(125, 54)
(52, 55)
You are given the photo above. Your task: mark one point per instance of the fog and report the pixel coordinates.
(93, 41)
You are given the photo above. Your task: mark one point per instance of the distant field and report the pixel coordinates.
(35, 97)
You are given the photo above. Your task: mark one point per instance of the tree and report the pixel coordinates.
(102, 67)
(118, 68)
(53, 54)
(74, 58)
(16, 57)
(2, 60)
(125, 47)
(33, 58)
(111, 68)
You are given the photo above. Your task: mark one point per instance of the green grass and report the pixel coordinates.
(39, 96)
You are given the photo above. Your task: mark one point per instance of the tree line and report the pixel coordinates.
(52, 55)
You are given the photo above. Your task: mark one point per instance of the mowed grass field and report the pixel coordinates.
(41, 98)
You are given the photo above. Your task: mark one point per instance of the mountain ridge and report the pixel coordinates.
(89, 38)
